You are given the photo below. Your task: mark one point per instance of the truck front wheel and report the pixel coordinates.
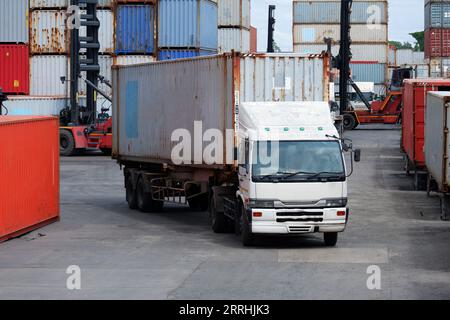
(130, 194)
(330, 238)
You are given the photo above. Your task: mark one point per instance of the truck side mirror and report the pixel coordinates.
(357, 155)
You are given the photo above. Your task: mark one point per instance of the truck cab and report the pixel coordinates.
(292, 173)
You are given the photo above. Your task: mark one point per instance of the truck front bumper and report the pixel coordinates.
(295, 221)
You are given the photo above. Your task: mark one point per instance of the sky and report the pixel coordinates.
(405, 16)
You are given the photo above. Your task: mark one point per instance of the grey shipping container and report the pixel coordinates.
(208, 89)
(437, 14)
(437, 141)
(34, 106)
(14, 21)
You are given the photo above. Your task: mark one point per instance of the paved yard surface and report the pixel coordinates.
(125, 254)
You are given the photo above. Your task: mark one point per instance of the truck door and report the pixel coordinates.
(244, 168)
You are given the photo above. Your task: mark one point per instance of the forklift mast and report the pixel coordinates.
(271, 25)
(342, 61)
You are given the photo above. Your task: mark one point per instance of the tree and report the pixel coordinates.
(401, 45)
(420, 40)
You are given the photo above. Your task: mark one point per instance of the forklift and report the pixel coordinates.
(82, 128)
(387, 111)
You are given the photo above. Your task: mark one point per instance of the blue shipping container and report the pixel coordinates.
(182, 54)
(187, 24)
(368, 72)
(135, 29)
(329, 12)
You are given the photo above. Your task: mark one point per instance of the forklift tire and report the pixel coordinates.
(218, 219)
(131, 194)
(66, 143)
(349, 122)
(145, 201)
(330, 239)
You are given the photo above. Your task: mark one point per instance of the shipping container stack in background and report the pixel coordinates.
(437, 37)
(315, 20)
(408, 58)
(14, 47)
(186, 28)
(234, 27)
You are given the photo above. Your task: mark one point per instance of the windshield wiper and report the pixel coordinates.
(318, 174)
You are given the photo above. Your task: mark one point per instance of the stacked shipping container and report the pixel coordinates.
(234, 26)
(186, 28)
(318, 19)
(437, 36)
(14, 48)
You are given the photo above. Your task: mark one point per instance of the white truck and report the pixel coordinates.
(183, 134)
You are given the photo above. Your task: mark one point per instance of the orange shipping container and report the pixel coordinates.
(29, 174)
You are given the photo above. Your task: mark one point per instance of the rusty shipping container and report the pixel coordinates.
(208, 90)
(48, 32)
(413, 117)
(29, 188)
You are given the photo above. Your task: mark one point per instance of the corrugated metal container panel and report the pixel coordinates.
(132, 59)
(437, 43)
(29, 173)
(315, 33)
(46, 73)
(439, 67)
(167, 54)
(283, 77)
(421, 71)
(329, 11)
(105, 63)
(15, 69)
(181, 25)
(14, 21)
(392, 56)
(48, 32)
(35, 106)
(369, 72)
(105, 33)
(234, 39)
(437, 148)
(413, 116)
(135, 29)
(234, 13)
(418, 57)
(437, 14)
(404, 56)
(361, 52)
(205, 82)
(253, 40)
(48, 4)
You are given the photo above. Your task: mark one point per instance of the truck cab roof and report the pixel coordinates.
(309, 120)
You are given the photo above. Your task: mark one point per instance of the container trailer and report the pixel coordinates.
(437, 148)
(274, 166)
(413, 123)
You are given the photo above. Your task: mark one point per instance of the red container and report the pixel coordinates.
(413, 116)
(437, 42)
(29, 174)
(14, 69)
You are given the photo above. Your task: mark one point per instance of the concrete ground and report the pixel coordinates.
(126, 254)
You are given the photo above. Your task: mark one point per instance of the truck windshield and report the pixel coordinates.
(297, 161)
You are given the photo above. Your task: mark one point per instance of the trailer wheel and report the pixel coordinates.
(218, 219)
(131, 194)
(330, 238)
(66, 143)
(349, 122)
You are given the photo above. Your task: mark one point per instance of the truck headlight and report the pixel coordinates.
(261, 204)
(336, 203)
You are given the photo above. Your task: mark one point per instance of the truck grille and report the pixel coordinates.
(300, 229)
(300, 216)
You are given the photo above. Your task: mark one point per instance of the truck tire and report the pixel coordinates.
(145, 201)
(349, 122)
(218, 219)
(131, 194)
(420, 181)
(66, 143)
(247, 236)
(330, 238)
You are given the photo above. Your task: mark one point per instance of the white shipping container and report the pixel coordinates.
(48, 4)
(48, 32)
(361, 52)
(315, 33)
(233, 39)
(437, 140)
(45, 75)
(35, 106)
(234, 13)
(209, 94)
(133, 59)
